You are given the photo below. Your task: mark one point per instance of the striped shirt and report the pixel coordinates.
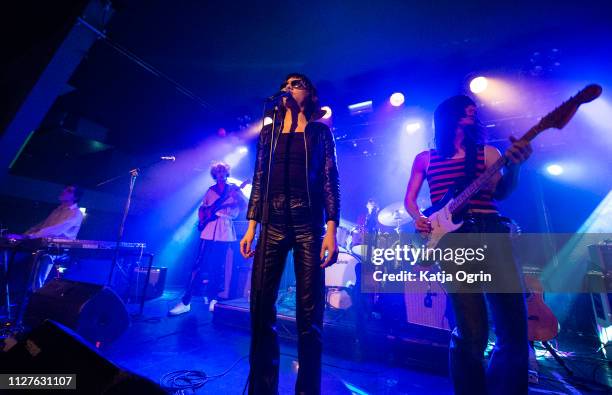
(442, 173)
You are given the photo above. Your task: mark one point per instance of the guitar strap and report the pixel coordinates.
(471, 156)
(222, 195)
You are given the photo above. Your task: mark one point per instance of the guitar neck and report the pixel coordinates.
(557, 118)
(462, 199)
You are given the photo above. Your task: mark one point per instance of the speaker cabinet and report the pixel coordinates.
(94, 311)
(51, 348)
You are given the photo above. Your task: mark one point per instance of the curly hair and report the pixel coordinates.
(219, 167)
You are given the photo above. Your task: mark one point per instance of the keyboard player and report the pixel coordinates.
(63, 222)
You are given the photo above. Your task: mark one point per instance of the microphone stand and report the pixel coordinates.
(134, 173)
(261, 244)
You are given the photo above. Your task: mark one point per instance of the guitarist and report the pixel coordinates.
(220, 206)
(459, 157)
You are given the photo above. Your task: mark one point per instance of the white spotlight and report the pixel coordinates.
(478, 84)
(360, 108)
(267, 121)
(555, 170)
(396, 99)
(412, 127)
(328, 112)
(243, 150)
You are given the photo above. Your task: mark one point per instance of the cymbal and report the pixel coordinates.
(394, 215)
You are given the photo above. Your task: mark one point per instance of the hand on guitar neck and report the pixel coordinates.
(518, 152)
(439, 219)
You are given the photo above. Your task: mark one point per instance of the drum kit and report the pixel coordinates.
(354, 245)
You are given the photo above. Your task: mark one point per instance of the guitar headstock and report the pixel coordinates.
(561, 115)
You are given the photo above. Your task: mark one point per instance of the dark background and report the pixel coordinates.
(115, 115)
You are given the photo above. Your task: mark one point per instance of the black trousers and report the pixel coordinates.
(507, 369)
(305, 241)
(210, 260)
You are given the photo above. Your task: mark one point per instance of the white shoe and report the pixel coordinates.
(211, 306)
(180, 309)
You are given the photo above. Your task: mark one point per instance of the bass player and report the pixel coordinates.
(220, 206)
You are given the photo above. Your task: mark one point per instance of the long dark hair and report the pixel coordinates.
(446, 118)
(312, 108)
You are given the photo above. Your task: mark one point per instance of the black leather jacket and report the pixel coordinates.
(323, 185)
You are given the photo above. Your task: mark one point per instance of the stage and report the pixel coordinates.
(214, 343)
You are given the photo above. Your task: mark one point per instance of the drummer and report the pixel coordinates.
(369, 220)
(365, 233)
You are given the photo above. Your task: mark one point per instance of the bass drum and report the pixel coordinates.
(339, 278)
(342, 273)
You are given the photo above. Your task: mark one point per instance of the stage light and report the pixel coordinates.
(396, 99)
(478, 84)
(328, 112)
(234, 157)
(360, 108)
(412, 127)
(555, 170)
(83, 211)
(267, 121)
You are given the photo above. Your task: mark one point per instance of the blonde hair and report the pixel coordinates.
(218, 167)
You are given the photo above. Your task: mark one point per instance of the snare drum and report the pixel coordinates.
(357, 236)
(358, 244)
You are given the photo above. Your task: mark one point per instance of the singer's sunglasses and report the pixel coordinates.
(295, 84)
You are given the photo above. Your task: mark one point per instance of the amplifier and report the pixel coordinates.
(601, 256)
(157, 282)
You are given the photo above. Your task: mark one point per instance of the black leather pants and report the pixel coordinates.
(305, 240)
(506, 372)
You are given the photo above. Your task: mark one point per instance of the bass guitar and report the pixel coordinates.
(542, 325)
(209, 214)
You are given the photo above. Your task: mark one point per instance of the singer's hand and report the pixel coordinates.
(245, 244)
(329, 250)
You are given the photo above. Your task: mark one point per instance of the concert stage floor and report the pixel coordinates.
(159, 345)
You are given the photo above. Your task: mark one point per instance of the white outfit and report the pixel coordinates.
(63, 222)
(222, 228)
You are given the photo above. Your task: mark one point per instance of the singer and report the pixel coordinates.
(295, 193)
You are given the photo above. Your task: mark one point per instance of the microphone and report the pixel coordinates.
(172, 158)
(278, 95)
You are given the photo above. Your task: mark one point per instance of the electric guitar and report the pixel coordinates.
(542, 325)
(209, 214)
(444, 213)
